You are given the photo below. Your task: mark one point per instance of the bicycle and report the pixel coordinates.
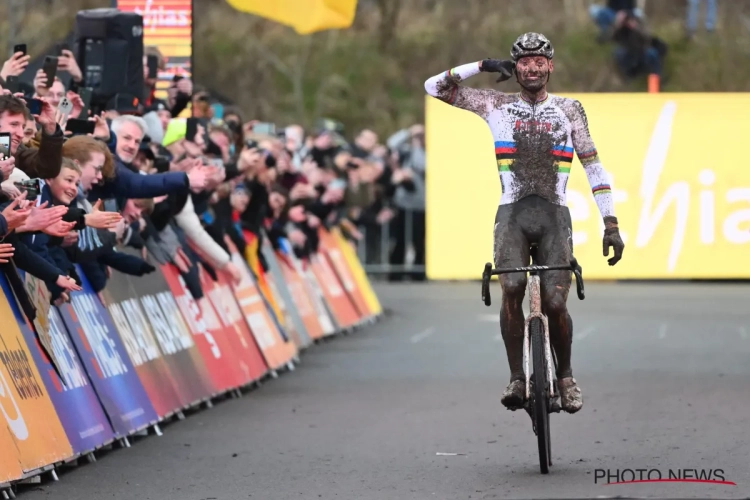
(544, 399)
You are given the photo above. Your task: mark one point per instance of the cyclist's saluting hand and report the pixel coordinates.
(505, 68)
(612, 239)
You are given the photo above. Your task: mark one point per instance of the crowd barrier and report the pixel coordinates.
(681, 194)
(83, 376)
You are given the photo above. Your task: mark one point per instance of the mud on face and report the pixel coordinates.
(535, 166)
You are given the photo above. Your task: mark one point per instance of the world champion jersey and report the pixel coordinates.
(534, 142)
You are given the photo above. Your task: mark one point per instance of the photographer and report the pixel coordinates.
(41, 162)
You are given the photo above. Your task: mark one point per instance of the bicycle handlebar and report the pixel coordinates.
(489, 272)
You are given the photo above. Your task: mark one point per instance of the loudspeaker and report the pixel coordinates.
(109, 50)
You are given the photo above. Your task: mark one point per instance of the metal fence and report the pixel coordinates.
(395, 249)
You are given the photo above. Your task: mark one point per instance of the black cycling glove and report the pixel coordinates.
(504, 67)
(612, 239)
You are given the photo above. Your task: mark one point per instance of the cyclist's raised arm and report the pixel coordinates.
(589, 157)
(445, 86)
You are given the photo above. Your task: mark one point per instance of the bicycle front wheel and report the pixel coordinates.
(541, 393)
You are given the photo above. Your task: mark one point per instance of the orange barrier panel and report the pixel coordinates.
(237, 332)
(27, 410)
(10, 462)
(338, 301)
(276, 351)
(333, 252)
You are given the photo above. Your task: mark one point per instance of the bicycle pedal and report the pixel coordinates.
(555, 407)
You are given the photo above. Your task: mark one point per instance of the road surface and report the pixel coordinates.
(664, 369)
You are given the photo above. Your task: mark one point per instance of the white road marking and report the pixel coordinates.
(743, 332)
(498, 337)
(583, 333)
(663, 331)
(489, 318)
(422, 335)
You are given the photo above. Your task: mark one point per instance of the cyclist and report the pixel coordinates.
(535, 134)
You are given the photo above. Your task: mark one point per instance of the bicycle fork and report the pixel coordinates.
(536, 312)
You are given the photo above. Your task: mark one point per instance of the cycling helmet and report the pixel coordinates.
(532, 44)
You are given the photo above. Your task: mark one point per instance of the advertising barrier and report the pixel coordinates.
(681, 215)
(76, 404)
(187, 372)
(235, 328)
(289, 309)
(363, 284)
(144, 349)
(106, 360)
(26, 410)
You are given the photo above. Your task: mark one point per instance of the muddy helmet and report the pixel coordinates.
(532, 44)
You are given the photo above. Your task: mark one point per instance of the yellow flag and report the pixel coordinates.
(305, 16)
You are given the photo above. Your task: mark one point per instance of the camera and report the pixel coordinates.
(31, 187)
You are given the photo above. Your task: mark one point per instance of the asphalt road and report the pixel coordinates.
(664, 371)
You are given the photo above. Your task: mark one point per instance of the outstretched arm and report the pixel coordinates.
(589, 157)
(445, 86)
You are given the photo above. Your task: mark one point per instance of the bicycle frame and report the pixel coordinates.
(535, 298)
(535, 311)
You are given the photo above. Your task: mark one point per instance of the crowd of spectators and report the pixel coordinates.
(181, 183)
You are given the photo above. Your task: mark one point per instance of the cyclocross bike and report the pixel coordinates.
(543, 399)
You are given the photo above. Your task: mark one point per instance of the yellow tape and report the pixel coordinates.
(680, 183)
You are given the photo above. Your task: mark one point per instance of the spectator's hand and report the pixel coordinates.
(249, 159)
(47, 118)
(297, 213)
(77, 102)
(355, 233)
(40, 83)
(181, 261)
(59, 229)
(313, 221)
(7, 166)
(6, 252)
(101, 129)
(185, 86)
(15, 65)
(10, 189)
(332, 195)
(41, 217)
(184, 165)
(16, 218)
(297, 238)
(119, 229)
(102, 220)
(62, 120)
(70, 239)
(68, 283)
(302, 190)
(62, 299)
(385, 216)
(355, 213)
(67, 62)
(198, 178)
(232, 273)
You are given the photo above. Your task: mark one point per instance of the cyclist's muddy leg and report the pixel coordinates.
(511, 249)
(555, 249)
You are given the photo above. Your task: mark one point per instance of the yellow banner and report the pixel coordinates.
(305, 17)
(680, 185)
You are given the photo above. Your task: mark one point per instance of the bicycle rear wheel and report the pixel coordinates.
(541, 394)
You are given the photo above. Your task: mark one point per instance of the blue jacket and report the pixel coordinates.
(129, 184)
